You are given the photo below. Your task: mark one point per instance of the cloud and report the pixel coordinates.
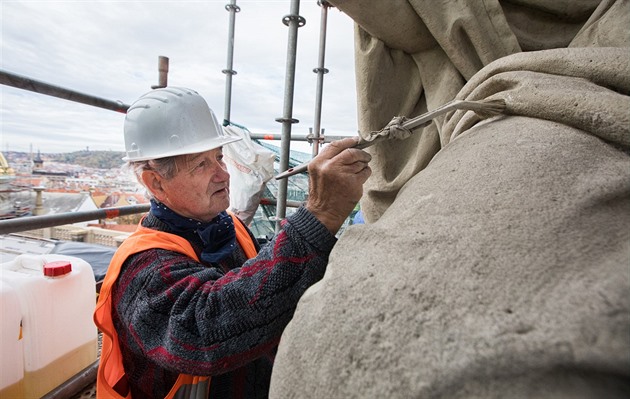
(110, 50)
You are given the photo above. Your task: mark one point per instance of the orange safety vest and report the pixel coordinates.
(111, 380)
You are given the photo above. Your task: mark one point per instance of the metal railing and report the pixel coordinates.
(25, 223)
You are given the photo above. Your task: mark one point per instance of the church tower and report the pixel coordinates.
(38, 162)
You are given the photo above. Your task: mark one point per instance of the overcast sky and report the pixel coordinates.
(110, 49)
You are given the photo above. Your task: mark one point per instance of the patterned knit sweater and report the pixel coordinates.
(174, 315)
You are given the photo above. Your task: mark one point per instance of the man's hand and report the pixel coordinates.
(336, 177)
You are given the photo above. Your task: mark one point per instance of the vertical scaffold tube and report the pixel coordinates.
(293, 21)
(320, 71)
(232, 8)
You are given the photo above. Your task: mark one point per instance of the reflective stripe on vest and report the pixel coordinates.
(111, 381)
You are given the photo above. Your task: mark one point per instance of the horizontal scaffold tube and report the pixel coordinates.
(274, 136)
(273, 201)
(76, 384)
(26, 223)
(22, 82)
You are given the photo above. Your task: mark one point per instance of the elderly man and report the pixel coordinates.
(191, 306)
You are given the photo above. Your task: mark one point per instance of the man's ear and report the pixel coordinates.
(153, 182)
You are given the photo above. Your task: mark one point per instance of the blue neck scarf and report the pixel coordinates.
(218, 235)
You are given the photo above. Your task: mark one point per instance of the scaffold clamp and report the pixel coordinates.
(230, 7)
(290, 120)
(292, 17)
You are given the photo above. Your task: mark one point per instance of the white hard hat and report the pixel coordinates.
(171, 121)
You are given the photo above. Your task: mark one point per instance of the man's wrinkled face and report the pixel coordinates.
(200, 188)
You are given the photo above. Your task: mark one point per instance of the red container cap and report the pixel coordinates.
(57, 268)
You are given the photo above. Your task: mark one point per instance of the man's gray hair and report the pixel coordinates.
(165, 167)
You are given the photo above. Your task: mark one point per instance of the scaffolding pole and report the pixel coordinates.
(318, 133)
(293, 21)
(162, 73)
(25, 223)
(22, 82)
(232, 8)
(302, 137)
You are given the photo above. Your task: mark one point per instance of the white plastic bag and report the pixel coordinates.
(251, 167)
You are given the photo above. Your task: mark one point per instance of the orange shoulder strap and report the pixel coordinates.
(243, 237)
(111, 380)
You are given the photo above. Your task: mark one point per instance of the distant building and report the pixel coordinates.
(38, 169)
(38, 162)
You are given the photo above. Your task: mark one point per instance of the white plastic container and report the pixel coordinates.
(11, 355)
(59, 336)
